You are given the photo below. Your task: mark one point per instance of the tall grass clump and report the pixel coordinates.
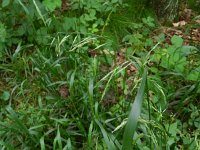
(88, 75)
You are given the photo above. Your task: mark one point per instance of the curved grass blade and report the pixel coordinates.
(6, 145)
(24, 7)
(134, 115)
(109, 143)
(18, 123)
(69, 145)
(42, 144)
(57, 140)
(39, 12)
(90, 135)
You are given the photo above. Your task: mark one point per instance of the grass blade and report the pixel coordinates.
(134, 115)
(69, 145)
(57, 140)
(39, 12)
(19, 124)
(108, 141)
(42, 144)
(6, 145)
(90, 135)
(24, 7)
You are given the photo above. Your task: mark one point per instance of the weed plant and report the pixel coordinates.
(56, 94)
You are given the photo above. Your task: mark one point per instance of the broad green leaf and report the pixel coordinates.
(180, 65)
(170, 141)
(149, 21)
(52, 4)
(175, 58)
(173, 129)
(42, 36)
(134, 115)
(5, 96)
(69, 23)
(194, 75)
(5, 3)
(186, 50)
(177, 41)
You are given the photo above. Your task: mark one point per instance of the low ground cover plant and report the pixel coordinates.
(86, 75)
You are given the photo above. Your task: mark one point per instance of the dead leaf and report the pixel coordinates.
(197, 20)
(64, 92)
(65, 5)
(179, 24)
(176, 24)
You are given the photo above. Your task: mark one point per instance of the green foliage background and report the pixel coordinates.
(46, 48)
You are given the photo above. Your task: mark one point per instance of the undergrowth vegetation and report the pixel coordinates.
(95, 74)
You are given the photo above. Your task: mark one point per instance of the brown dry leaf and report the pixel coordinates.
(176, 24)
(179, 24)
(95, 53)
(65, 5)
(188, 13)
(120, 58)
(64, 92)
(110, 99)
(197, 20)
(182, 23)
(132, 68)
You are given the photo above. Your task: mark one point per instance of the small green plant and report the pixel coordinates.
(5, 96)
(65, 84)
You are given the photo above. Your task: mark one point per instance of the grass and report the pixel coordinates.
(134, 115)
(37, 112)
(56, 95)
(38, 117)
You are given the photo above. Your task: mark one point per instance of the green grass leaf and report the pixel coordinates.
(109, 143)
(6, 145)
(134, 115)
(18, 123)
(42, 144)
(58, 141)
